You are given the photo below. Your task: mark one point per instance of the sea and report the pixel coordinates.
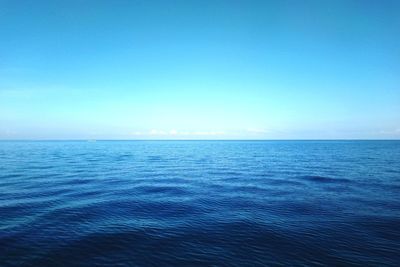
(200, 203)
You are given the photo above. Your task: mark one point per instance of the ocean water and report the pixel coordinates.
(200, 203)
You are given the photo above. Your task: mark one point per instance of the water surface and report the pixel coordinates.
(200, 203)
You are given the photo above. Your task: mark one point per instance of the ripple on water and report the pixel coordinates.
(220, 203)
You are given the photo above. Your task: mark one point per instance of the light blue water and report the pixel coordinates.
(200, 203)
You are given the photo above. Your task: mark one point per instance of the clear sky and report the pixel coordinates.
(199, 69)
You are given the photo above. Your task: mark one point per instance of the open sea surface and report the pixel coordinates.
(200, 203)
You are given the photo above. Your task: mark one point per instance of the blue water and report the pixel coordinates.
(200, 203)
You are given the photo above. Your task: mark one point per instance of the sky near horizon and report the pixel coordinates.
(199, 69)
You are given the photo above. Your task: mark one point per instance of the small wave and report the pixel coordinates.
(167, 190)
(154, 158)
(325, 179)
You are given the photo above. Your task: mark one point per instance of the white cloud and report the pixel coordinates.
(207, 133)
(394, 132)
(174, 133)
(153, 132)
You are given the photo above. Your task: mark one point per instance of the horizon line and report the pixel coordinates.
(127, 140)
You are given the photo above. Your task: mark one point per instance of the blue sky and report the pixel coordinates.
(199, 69)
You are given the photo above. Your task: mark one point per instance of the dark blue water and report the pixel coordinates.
(200, 203)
